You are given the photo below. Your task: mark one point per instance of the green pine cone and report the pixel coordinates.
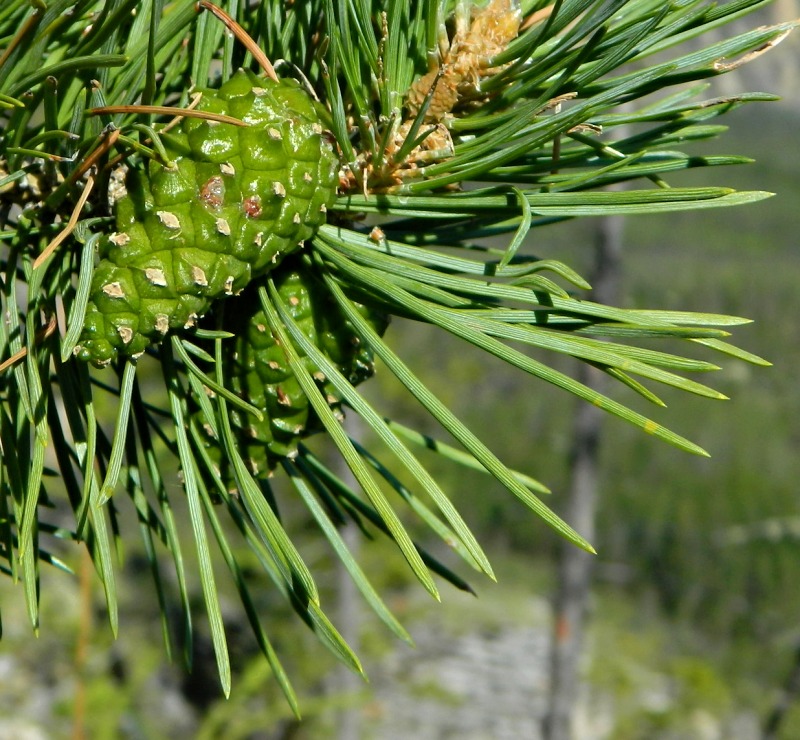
(233, 202)
(259, 371)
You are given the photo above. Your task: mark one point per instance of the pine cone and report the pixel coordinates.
(260, 372)
(232, 203)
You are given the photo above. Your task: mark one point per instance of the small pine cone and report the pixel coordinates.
(233, 203)
(259, 371)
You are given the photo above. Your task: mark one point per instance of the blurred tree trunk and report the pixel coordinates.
(789, 695)
(574, 565)
(348, 607)
(786, 62)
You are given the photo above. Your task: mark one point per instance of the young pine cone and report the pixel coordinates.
(259, 372)
(232, 203)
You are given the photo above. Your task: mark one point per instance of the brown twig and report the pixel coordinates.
(168, 111)
(243, 37)
(26, 28)
(40, 336)
(90, 161)
(537, 17)
(193, 103)
(71, 224)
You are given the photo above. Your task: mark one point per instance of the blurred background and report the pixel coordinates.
(692, 623)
